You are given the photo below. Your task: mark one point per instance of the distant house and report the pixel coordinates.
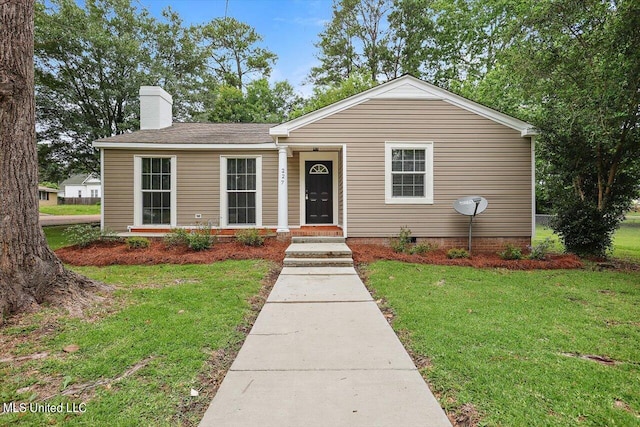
(47, 196)
(81, 186)
(397, 155)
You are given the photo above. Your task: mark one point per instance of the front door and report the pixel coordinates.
(319, 191)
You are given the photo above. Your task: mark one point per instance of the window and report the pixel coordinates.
(409, 172)
(241, 190)
(154, 187)
(43, 195)
(94, 193)
(80, 193)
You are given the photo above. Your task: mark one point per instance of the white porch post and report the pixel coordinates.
(283, 199)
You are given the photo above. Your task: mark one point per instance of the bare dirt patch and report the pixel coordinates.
(364, 254)
(117, 253)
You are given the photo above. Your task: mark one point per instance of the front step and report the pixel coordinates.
(318, 262)
(317, 239)
(318, 250)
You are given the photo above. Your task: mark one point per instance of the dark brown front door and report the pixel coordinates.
(319, 191)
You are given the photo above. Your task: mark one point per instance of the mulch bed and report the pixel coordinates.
(117, 253)
(365, 254)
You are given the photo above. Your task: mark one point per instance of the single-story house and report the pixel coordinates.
(397, 155)
(81, 186)
(47, 196)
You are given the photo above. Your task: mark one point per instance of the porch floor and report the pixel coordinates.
(320, 230)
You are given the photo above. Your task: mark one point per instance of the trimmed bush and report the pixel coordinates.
(200, 238)
(456, 253)
(177, 237)
(540, 251)
(84, 235)
(423, 248)
(250, 237)
(510, 252)
(402, 242)
(138, 242)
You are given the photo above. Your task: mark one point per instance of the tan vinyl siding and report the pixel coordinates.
(472, 156)
(198, 185)
(117, 189)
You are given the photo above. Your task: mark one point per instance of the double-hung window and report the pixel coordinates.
(409, 172)
(154, 186)
(241, 196)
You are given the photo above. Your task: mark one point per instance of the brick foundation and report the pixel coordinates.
(480, 244)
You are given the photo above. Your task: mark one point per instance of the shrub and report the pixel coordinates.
(584, 229)
(541, 250)
(457, 253)
(423, 248)
(250, 237)
(177, 237)
(200, 238)
(510, 252)
(85, 234)
(402, 242)
(138, 242)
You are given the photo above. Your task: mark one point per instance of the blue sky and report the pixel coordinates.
(289, 28)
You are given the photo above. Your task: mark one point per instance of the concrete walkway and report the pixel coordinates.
(322, 354)
(47, 220)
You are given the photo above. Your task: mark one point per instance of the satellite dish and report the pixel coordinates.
(470, 205)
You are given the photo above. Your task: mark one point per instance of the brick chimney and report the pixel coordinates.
(155, 108)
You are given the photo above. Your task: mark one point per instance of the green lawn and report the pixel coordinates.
(626, 241)
(71, 210)
(507, 342)
(171, 317)
(55, 236)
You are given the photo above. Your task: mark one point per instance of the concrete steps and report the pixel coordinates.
(318, 252)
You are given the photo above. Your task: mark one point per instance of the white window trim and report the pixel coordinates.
(428, 182)
(224, 200)
(137, 191)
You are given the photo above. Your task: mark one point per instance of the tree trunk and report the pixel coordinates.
(30, 273)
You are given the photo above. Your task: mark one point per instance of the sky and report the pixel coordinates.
(289, 28)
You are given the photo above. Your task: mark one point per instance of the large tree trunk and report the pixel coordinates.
(30, 273)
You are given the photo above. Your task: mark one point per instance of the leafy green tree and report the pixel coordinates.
(327, 95)
(261, 103)
(179, 63)
(90, 63)
(30, 273)
(581, 61)
(88, 72)
(357, 40)
(235, 55)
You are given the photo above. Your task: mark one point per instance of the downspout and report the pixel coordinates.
(102, 189)
(533, 188)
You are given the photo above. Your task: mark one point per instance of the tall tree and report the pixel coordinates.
(30, 273)
(453, 43)
(91, 60)
(235, 54)
(581, 61)
(89, 65)
(259, 103)
(357, 40)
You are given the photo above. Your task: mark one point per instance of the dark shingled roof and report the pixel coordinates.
(199, 133)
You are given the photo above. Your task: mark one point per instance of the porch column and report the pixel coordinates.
(283, 199)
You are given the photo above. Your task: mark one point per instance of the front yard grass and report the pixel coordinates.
(511, 344)
(70, 210)
(164, 321)
(626, 240)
